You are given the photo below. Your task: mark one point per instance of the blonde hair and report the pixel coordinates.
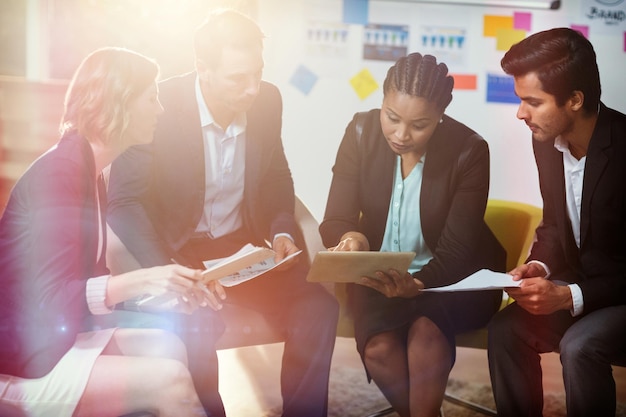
(102, 87)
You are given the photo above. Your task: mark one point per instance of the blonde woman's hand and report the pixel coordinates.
(201, 295)
(180, 282)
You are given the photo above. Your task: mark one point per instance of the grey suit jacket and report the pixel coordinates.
(599, 266)
(156, 191)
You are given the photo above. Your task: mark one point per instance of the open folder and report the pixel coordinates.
(329, 266)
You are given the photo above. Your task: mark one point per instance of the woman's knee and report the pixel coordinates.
(171, 347)
(155, 343)
(175, 379)
(163, 344)
(424, 331)
(380, 349)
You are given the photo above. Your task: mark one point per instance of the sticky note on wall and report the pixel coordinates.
(303, 79)
(505, 38)
(355, 11)
(364, 83)
(522, 20)
(501, 89)
(491, 24)
(464, 81)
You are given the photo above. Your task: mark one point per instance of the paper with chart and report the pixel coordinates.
(248, 263)
(484, 279)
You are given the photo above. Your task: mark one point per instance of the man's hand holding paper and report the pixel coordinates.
(536, 294)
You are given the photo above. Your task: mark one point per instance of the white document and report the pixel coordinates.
(249, 262)
(484, 279)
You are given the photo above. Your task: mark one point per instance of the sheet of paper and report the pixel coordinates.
(246, 257)
(247, 263)
(484, 279)
(253, 271)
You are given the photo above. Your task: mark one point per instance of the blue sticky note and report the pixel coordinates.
(356, 11)
(501, 89)
(303, 79)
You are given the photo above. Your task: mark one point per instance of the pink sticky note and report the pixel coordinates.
(522, 20)
(582, 29)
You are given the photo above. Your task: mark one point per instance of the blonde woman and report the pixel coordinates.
(53, 269)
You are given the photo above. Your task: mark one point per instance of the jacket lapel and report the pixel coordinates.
(597, 161)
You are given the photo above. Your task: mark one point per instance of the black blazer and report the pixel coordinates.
(48, 250)
(156, 191)
(455, 187)
(599, 266)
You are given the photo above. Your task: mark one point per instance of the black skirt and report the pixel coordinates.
(452, 312)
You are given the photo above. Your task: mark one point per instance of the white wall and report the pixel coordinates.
(313, 124)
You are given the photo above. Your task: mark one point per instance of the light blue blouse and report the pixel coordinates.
(403, 231)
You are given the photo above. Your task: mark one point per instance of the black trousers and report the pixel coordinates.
(306, 314)
(588, 346)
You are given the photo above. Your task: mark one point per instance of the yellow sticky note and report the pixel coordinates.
(505, 38)
(364, 83)
(491, 24)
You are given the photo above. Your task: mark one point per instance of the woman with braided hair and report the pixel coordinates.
(407, 177)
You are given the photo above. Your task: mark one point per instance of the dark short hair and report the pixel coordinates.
(564, 61)
(225, 28)
(421, 76)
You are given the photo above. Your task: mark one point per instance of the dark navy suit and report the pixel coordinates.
(156, 201)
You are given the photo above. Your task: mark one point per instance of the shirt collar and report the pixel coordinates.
(561, 145)
(238, 125)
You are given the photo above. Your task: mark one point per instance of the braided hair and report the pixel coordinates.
(421, 76)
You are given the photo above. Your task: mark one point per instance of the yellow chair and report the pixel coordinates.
(514, 226)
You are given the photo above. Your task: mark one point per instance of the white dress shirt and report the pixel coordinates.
(574, 173)
(224, 155)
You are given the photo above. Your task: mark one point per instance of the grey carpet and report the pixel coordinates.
(351, 396)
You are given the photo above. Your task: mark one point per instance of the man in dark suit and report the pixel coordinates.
(214, 179)
(573, 291)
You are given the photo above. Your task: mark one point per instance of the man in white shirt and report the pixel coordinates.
(214, 179)
(573, 292)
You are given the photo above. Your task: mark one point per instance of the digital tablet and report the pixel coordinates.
(350, 266)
